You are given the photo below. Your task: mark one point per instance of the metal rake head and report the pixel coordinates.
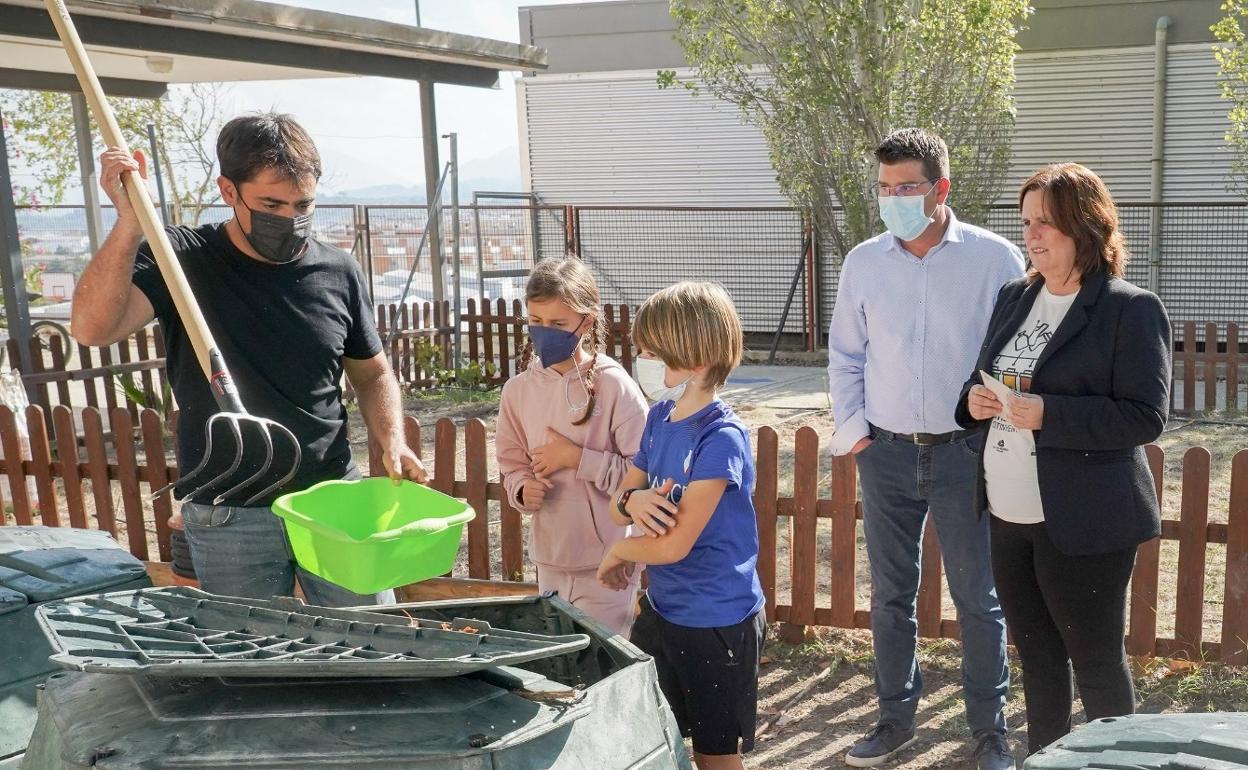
(266, 428)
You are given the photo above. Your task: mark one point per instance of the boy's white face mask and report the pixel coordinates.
(651, 374)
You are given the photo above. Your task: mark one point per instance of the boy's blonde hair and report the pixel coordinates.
(690, 325)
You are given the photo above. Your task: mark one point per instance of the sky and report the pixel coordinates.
(368, 129)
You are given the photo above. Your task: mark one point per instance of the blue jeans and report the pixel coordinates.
(901, 484)
(244, 552)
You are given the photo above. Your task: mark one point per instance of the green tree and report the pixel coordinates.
(41, 124)
(827, 80)
(1232, 57)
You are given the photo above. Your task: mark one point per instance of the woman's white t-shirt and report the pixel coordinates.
(1010, 453)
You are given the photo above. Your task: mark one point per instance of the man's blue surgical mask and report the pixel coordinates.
(903, 215)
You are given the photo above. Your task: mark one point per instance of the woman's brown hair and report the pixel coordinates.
(1081, 208)
(570, 281)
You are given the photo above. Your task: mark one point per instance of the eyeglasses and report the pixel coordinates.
(909, 188)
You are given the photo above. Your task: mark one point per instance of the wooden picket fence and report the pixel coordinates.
(91, 376)
(1208, 375)
(492, 332)
(108, 462)
(125, 464)
(1214, 357)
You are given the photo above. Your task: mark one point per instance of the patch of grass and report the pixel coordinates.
(1198, 687)
(822, 646)
(454, 396)
(942, 652)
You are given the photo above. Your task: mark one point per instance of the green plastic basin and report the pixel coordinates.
(372, 535)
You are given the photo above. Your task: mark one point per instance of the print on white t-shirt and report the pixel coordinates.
(1010, 453)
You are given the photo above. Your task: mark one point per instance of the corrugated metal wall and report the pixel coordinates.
(1197, 161)
(1096, 107)
(616, 139)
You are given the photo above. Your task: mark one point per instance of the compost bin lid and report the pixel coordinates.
(11, 601)
(179, 631)
(45, 563)
(1217, 741)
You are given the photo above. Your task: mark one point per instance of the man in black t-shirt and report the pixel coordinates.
(290, 315)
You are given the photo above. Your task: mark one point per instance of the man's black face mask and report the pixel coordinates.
(277, 238)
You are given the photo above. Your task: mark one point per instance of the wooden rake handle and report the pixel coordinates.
(210, 359)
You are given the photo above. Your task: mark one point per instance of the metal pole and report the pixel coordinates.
(435, 209)
(368, 251)
(812, 295)
(86, 167)
(1159, 155)
(454, 166)
(16, 303)
(359, 247)
(160, 181)
(476, 231)
(788, 303)
(429, 141)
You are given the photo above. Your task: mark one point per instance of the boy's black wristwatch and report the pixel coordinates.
(623, 501)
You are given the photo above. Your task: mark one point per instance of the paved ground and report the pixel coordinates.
(779, 387)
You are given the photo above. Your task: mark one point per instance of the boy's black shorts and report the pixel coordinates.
(708, 675)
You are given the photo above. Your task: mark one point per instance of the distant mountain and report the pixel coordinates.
(499, 172)
(379, 193)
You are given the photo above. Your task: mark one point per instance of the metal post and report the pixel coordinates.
(160, 180)
(435, 209)
(1159, 155)
(368, 249)
(429, 141)
(16, 303)
(359, 248)
(86, 167)
(454, 164)
(476, 232)
(788, 303)
(812, 295)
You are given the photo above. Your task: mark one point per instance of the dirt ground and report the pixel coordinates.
(816, 731)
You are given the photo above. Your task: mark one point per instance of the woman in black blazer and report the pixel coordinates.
(1062, 470)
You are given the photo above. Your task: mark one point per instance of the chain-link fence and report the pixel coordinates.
(1203, 270)
(497, 247)
(754, 252)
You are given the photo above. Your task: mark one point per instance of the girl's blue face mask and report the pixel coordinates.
(553, 345)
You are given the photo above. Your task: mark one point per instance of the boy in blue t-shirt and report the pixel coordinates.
(689, 492)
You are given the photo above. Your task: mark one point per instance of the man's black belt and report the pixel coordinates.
(921, 439)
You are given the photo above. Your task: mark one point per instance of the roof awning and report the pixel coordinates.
(139, 46)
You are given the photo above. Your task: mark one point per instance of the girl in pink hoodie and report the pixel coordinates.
(567, 426)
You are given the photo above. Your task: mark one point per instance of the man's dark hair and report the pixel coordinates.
(249, 144)
(916, 144)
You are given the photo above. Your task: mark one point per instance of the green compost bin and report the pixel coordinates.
(597, 706)
(1217, 741)
(37, 565)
